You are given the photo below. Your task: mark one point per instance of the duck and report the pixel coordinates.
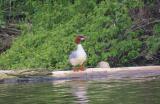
(78, 56)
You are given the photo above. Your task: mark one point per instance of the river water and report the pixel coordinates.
(112, 91)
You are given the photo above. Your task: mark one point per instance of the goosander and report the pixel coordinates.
(79, 56)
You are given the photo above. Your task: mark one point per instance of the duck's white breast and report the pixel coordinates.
(78, 57)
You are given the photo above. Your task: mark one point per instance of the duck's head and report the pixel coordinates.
(79, 38)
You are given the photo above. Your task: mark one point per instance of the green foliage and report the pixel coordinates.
(56, 23)
(1, 17)
(153, 42)
(156, 28)
(124, 51)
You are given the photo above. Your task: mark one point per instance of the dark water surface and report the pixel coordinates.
(122, 91)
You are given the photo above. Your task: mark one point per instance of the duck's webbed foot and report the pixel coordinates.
(75, 69)
(81, 68)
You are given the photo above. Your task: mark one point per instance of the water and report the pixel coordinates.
(122, 91)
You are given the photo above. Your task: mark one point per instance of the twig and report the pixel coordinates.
(137, 26)
(149, 23)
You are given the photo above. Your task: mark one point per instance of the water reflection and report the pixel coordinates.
(77, 88)
(79, 91)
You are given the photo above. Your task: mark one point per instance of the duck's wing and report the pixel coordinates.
(73, 55)
(73, 58)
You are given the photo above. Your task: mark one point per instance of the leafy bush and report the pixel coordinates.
(153, 42)
(56, 23)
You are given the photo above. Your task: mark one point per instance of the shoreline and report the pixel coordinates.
(89, 73)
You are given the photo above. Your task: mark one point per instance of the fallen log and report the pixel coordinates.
(88, 74)
(114, 73)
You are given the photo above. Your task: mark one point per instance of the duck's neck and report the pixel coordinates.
(79, 47)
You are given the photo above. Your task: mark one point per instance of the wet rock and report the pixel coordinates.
(103, 64)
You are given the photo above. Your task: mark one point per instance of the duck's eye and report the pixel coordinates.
(82, 38)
